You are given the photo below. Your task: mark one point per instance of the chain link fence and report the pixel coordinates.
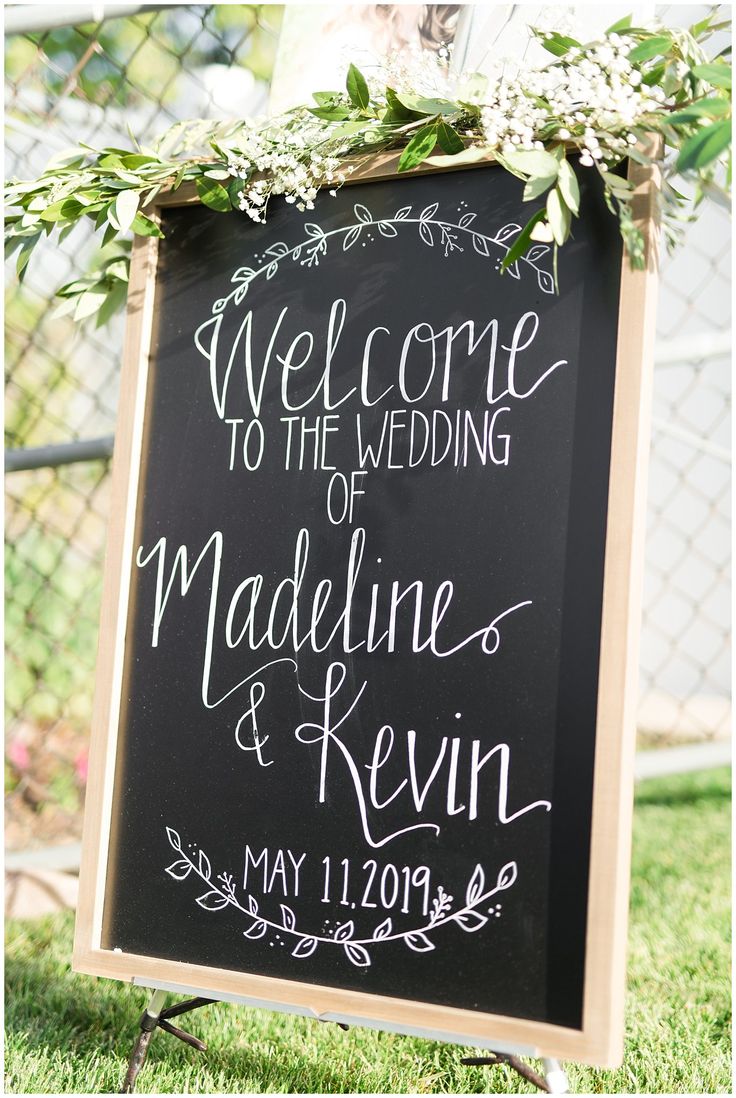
(94, 82)
(142, 71)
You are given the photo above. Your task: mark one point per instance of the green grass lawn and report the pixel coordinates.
(67, 1033)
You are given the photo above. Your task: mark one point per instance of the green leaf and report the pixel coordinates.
(25, 254)
(137, 160)
(68, 158)
(111, 232)
(11, 244)
(54, 211)
(72, 209)
(651, 47)
(559, 216)
(523, 240)
(703, 108)
(101, 218)
(66, 305)
(423, 105)
(653, 76)
(372, 132)
(448, 139)
(558, 44)
(120, 184)
(330, 114)
(699, 28)
(508, 166)
(704, 147)
(397, 110)
(717, 75)
(89, 302)
(622, 24)
(143, 226)
(638, 156)
(72, 289)
(114, 299)
(671, 82)
(617, 183)
(30, 220)
(720, 195)
(213, 194)
(118, 269)
(706, 27)
(419, 148)
(180, 175)
(323, 98)
(65, 231)
(537, 185)
(569, 188)
(533, 162)
(126, 207)
(128, 177)
(234, 190)
(84, 198)
(357, 88)
(149, 196)
(132, 136)
(348, 129)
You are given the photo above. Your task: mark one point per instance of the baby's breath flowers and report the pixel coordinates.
(593, 97)
(280, 159)
(599, 102)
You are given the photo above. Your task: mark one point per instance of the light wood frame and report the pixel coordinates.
(600, 1040)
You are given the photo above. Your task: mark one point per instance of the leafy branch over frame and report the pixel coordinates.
(599, 101)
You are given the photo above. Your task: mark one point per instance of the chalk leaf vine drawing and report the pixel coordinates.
(220, 893)
(433, 230)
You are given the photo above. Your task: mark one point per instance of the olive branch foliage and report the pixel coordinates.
(114, 187)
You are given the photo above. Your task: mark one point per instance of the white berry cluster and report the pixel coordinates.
(280, 157)
(584, 96)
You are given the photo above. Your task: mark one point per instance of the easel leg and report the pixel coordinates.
(155, 1016)
(149, 1021)
(554, 1080)
(556, 1077)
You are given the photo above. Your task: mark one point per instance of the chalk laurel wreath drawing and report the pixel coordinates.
(433, 230)
(220, 894)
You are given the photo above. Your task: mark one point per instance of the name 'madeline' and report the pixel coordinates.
(296, 615)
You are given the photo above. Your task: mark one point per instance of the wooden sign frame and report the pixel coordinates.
(600, 1040)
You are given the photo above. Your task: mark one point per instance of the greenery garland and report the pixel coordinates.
(601, 101)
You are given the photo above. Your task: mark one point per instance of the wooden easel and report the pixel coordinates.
(157, 1015)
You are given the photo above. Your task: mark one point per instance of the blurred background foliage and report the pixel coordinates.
(96, 83)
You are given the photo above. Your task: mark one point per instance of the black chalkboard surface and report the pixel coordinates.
(358, 701)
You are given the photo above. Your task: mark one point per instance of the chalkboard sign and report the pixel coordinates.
(363, 731)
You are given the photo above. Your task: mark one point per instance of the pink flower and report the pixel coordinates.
(18, 755)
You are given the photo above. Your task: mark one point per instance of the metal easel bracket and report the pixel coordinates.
(154, 1017)
(554, 1080)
